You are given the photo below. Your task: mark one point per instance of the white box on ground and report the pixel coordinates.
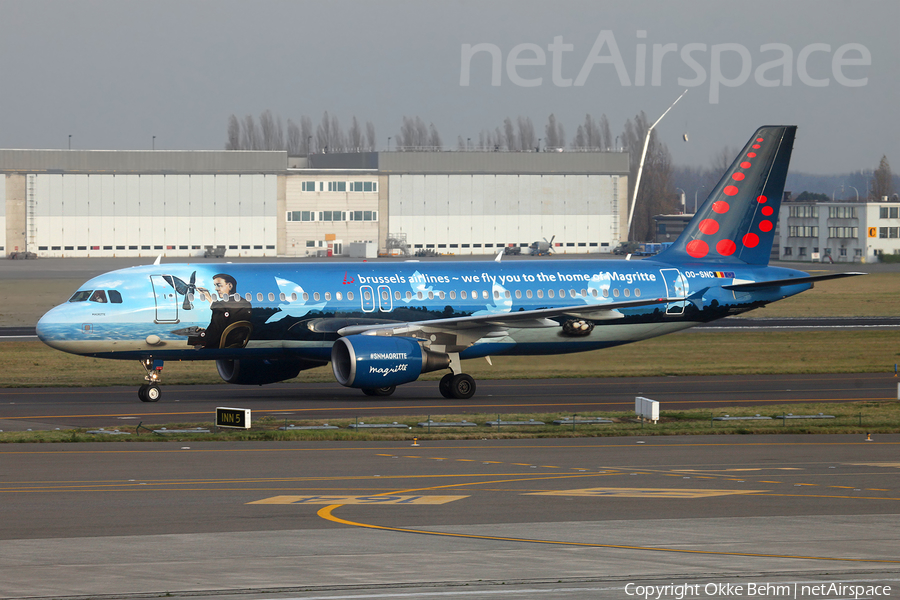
(646, 408)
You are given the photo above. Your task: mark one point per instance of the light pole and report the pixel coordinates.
(70, 141)
(153, 147)
(855, 190)
(389, 144)
(683, 207)
(308, 145)
(695, 197)
(637, 182)
(467, 143)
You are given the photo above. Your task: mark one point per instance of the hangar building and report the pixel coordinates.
(177, 203)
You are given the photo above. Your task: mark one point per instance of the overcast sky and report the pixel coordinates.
(113, 74)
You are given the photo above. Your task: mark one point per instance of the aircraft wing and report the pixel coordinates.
(496, 324)
(751, 285)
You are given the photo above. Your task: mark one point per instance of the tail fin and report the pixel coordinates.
(737, 221)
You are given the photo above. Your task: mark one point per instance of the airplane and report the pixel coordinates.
(544, 248)
(384, 324)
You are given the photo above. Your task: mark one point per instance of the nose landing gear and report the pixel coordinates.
(150, 391)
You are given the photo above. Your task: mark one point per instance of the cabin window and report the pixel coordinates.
(337, 296)
(305, 296)
(540, 293)
(431, 295)
(637, 293)
(271, 297)
(616, 293)
(282, 297)
(594, 292)
(259, 297)
(528, 293)
(397, 295)
(293, 296)
(518, 294)
(550, 293)
(409, 295)
(485, 295)
(453, 294)
(496, 294)
(627, 292)
(328, 295)
(385, 295)
(562, 293)
(441, 295)
(419, 295)
(349, 295)
(606, 292)
(316, 296)
(462, 294)
(506, 293)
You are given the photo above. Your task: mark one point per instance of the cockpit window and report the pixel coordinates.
(96, 296)
(81, 296)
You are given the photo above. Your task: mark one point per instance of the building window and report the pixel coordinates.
(788, 251)
(301, 215)
(363, 186)
(895, 212)
(363, 215)
(308, 186)
(337, 186)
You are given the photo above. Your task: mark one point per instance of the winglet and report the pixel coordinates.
(499, 256)
(158, 260)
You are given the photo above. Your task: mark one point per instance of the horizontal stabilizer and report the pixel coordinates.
(755, 285)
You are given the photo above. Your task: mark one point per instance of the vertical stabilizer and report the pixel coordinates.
(737, 221)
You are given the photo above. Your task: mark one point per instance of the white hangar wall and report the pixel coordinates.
(478, 213)
(147, 215)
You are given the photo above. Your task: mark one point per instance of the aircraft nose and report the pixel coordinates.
(48, 326)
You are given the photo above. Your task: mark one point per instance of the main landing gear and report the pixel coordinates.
(150, 392)
(460, 386)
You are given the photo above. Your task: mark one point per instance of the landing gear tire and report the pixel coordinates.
(462, 386)
(444, 386)
(382, 391)
(149, 392)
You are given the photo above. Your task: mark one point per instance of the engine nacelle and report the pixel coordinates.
(368, 361)
(260, 371)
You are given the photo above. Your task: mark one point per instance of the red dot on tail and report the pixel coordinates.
(745, 165)
(726, 247)
(730, 190)
(755, 146)
(765, 226)
(738, 176)
(751, 240)
(751, 155)
(720, 206)
(768, 210)
(708, 226)
(697, 248)
(759, 139)
(761, 199)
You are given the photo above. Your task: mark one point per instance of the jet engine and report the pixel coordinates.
(260, 371)
(365, 361)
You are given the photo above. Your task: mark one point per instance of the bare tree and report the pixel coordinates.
(434, 138)
(354, 136)
(294, 142)
(527, 139)
(250, 139)
(414, 134)
(306, 133)
(234, 134)
(370, 136)
(882, 181)
(271, 131)
(589, 136)
(606, 140)
(554, 135)
(509, 135)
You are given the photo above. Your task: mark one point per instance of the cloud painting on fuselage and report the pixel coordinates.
(384, 324)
